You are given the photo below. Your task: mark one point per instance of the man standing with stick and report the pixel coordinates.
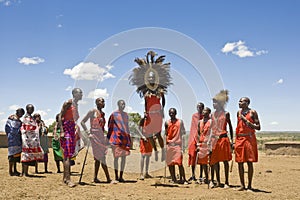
(192, 144)
(245, 143)
(174, 131)
(97, 138)
(204, 128)
(68, 117)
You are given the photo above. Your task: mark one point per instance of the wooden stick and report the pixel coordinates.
(231, 164)
(84, 161)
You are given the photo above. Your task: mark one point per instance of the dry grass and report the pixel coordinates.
(284, 151)
(275, 177)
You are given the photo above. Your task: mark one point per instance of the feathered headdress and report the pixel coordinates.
(222, 97)
(154, 68)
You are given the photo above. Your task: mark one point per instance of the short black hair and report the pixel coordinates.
(20, 110)
(200, 104)
(207, 108)
(29, 105)
(98, 99)
(75, 90)
(118, 103)
(246, 99)
(173, 109)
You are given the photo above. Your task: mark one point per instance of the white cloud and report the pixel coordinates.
(69, 88)
(13, 107)
(48, 110)
(59, 26)
(280, 81)
(48, 121)
(241, 50)
(89, 71)
(274, 123)
(31, 61)
(129, 109)
(82, 102)
(6, 2)
(42, 113)
(98, 93)
(2, 124)
(59, 16)
(261, 52)
(9, 2)
(116, 44)
(2, 113)
(229, 47)
(109, 67)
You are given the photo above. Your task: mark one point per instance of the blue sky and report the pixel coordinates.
(254, 46)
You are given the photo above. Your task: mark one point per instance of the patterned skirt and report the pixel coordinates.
(68, 142)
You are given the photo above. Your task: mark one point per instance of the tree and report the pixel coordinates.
(134, 119)
(51, 127)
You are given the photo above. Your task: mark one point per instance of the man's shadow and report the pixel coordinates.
(34, 176)
(262, 191)
(256, 190)
(128, 181)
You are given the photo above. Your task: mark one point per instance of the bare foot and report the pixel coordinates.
(114, 182)
(242, 188)
(142, 177)
(71, 184)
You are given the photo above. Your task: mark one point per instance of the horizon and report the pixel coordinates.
(249, 48)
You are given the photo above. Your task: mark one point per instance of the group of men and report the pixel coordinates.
(27, 141)
(209, 141)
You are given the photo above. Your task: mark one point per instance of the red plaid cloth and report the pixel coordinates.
(68, 143)
(118, 130)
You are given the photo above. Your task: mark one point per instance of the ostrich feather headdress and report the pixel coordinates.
(150, 66)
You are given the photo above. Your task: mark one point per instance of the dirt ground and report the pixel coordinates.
(275, 177)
